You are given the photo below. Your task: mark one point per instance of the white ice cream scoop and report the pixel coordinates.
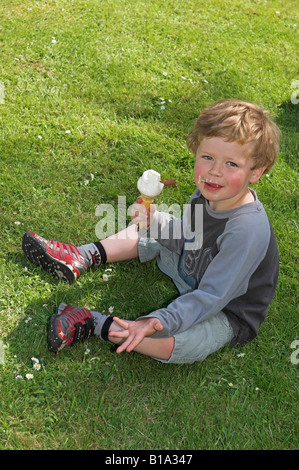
(149, 184)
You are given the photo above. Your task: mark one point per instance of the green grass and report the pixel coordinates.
(102, 79)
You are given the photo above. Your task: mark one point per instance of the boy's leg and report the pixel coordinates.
(122, 246)
(69, 262)
(158, 348)
(69, 325)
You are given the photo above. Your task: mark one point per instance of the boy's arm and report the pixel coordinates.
(164, 227)
(161, 226)
(172, 232)
(226, 278)
(167, 229)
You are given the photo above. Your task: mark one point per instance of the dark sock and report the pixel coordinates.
(102, 252)
(102, 324)
(94, 253)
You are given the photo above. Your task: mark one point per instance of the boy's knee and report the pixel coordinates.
(170, 347)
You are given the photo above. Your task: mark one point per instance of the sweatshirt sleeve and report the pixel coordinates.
(172, 232)
(167, 229)
(242, 246)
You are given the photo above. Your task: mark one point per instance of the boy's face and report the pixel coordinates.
(223, 171)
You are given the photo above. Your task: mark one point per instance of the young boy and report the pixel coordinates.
(226, 280)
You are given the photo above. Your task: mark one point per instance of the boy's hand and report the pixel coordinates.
(139, 213)
(135, 332)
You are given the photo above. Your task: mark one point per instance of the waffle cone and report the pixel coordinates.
(146, 201)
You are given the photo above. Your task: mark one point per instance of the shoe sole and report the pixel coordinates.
(37, 254)
(54, 342)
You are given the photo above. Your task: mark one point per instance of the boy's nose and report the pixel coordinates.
(215, 169)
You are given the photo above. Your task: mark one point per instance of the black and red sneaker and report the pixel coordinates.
(68, 326)
(61, 260)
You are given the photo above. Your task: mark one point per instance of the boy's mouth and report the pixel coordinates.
(209, 185)
(212, 186)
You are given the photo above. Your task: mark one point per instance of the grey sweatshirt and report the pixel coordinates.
(228, 259)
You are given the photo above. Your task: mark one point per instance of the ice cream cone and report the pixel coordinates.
(149, 186)
(146, 201)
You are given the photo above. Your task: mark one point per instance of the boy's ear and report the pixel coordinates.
(256, 174)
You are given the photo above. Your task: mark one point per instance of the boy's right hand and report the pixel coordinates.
(139, 214)
(133, 332)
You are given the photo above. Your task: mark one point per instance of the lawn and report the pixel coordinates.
(92, 93)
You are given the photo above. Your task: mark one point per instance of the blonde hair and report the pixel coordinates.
(242, 122)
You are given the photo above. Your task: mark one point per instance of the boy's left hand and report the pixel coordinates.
(135, 332)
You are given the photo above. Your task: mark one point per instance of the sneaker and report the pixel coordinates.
(68, 326)
(61, 260)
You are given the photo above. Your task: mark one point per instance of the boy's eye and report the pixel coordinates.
(232, 164)
(207, 157)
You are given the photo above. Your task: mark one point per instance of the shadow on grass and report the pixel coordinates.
(90, 291)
